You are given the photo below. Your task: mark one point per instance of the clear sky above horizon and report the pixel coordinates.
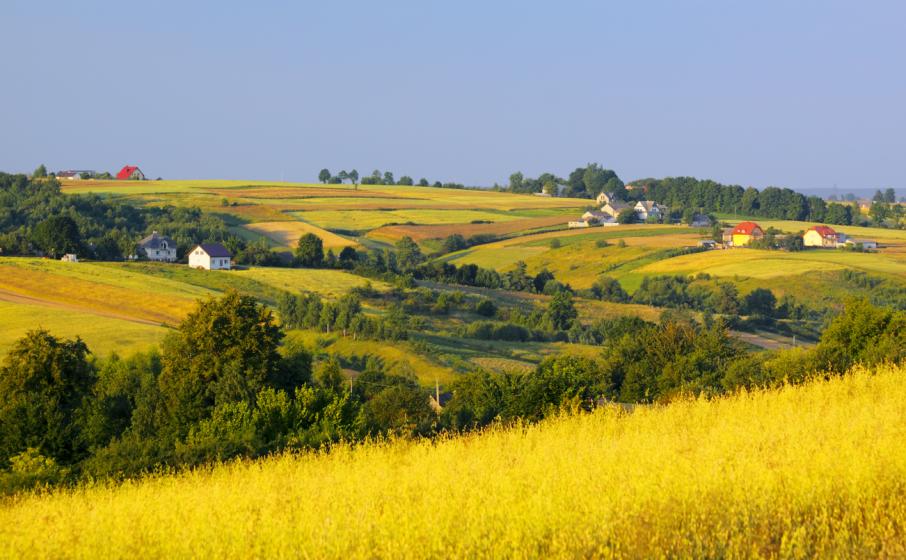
(801, 94)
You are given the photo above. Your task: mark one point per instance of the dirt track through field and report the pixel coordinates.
(12, 297)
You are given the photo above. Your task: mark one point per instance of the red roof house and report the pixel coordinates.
(822, 236)
(130, 172)
(744, 233)
(746, 228)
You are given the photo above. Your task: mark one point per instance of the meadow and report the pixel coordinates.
(124, 307)
(755, 263)
(285, 235)
(102, 334)
(580, 257)
(816, 470)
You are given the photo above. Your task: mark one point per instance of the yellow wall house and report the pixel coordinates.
(746, 232)
(820, 236)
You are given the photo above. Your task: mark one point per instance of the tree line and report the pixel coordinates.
(380, 178)
(36, 217)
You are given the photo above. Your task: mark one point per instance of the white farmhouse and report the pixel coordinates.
(210, 256)
(645, 209)
(157, 247)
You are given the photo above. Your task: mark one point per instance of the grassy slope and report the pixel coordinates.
(121, 306)
(812, 471)
(767, 264)
(579, 260)
(398, 356)
(103, 335)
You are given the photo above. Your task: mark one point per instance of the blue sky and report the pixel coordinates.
(800, 94)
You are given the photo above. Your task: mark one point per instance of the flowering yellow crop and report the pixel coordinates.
(811, 471)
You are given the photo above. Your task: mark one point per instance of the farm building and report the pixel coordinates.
(210, 256)
(130, 172)
(614, 207)
(865, 244)
(822, 236)
(745, 233)
(157, 247)
(645, 209)
(701, 220)
(70, 257)
(595, 215)
(75, 174)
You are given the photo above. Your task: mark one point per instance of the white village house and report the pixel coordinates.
(645, 209)
(157, 247)
(210, 256)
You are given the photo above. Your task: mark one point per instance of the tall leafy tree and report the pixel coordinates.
(225, 351)
(408, 254)
(44, 382)
(324, 176)
(57, 235)
(310, 251)
(560, 312)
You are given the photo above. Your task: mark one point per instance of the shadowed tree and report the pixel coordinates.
(57, 235)
(44, 381)
(310, 251)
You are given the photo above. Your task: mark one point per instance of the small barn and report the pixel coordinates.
(130, 172)
(210, 256)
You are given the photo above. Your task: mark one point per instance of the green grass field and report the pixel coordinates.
(103, 335)
(362, 220)
(122, 306)
(400, 358)
(281, 212)
(768, 264)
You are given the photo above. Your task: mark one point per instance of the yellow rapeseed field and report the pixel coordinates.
(811, 471)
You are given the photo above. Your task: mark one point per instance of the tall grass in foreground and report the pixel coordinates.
(815, 470)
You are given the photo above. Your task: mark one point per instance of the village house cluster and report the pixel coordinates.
(611, 207)
(744, 234)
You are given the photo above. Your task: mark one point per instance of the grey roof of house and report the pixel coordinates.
(153, 241)
(215, 250)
